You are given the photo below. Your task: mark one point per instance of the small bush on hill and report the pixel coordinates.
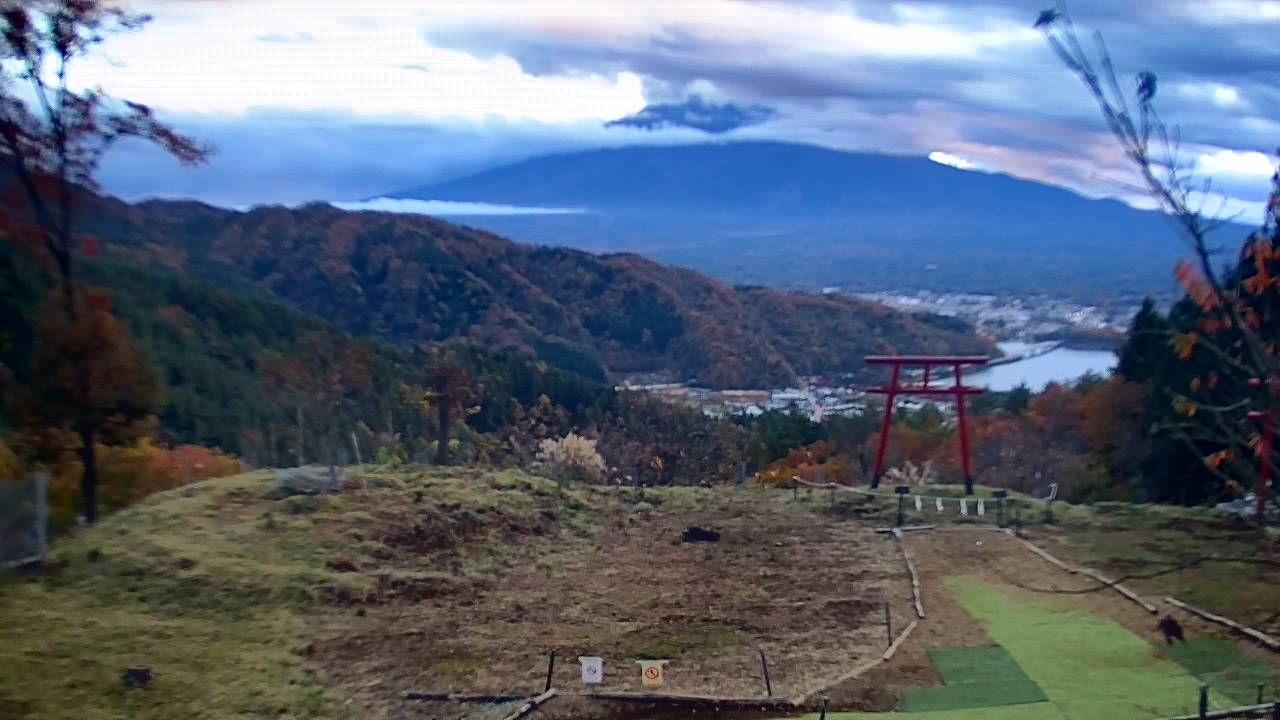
(572, 458)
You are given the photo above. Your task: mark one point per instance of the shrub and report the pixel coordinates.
(571, 458)
(128, 474)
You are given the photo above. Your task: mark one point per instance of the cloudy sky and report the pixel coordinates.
(321, 99)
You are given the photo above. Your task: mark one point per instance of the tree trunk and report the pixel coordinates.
(89, 479)
(442, 433)
(301, 437)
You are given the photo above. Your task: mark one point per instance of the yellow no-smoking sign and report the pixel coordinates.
(651, 672)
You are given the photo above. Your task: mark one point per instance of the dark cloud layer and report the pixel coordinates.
(969, 79)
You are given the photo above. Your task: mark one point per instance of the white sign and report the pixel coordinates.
(939, 502)
(964, 508)
(592, 670)
(982, 509)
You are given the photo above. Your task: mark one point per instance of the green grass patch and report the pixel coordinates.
(973, 677)
(1226, 667)
(1090, 668)
(214, 586)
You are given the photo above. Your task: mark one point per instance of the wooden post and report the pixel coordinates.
(888, 623)
(795, 489)
(833, 495)
(1262, 688)
(1204, 700)
(764, 665)
(42, 513)
(551, 666)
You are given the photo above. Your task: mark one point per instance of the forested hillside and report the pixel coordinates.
(415, 279)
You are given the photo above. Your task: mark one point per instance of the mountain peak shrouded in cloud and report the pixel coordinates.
(698, 114)
(404, 93)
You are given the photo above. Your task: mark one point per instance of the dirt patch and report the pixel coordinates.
(809, 592)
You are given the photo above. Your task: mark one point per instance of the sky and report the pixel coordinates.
(318, 99)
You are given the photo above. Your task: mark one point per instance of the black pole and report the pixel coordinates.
(827, 701)
(764, 664)
(901, 499)
(888, 624)
(1204, 701)
(551, 666)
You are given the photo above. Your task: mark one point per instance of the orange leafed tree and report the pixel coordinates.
(53, 137)
(90, 383)
(1234, 342)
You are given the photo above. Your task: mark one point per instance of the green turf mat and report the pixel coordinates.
(971, 695)
(982, 664)
(1227, 668)
(1089, 667)
(973, 677)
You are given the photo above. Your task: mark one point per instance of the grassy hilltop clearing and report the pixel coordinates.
(248, 604)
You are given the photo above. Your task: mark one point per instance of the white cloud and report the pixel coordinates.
(450, 208)
(1225, 95)
(229, 57)
(1244, 165)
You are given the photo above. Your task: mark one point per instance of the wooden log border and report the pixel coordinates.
(464, 698)
(1244, 711)
(1257, 636)
(700, 700)
(888, 654)
(905, 528)
(911, 570)
(532, 705)
(1089, 572)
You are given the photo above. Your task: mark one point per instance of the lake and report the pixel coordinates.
(1060, 365)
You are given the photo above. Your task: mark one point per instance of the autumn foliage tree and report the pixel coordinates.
(448, 393)
(1233, 317)
(53, 137)
(92, 385)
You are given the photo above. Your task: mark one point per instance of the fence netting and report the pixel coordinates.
(23, 520)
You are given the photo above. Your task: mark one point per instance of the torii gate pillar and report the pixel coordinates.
(895, 388)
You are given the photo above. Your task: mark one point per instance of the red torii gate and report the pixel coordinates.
(894, 389)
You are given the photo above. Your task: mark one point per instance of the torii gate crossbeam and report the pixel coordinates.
(895, 388)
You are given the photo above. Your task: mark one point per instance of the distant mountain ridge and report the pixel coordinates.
(804, 216)
(415, 279)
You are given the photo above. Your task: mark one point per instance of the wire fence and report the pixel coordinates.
(24, 520)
